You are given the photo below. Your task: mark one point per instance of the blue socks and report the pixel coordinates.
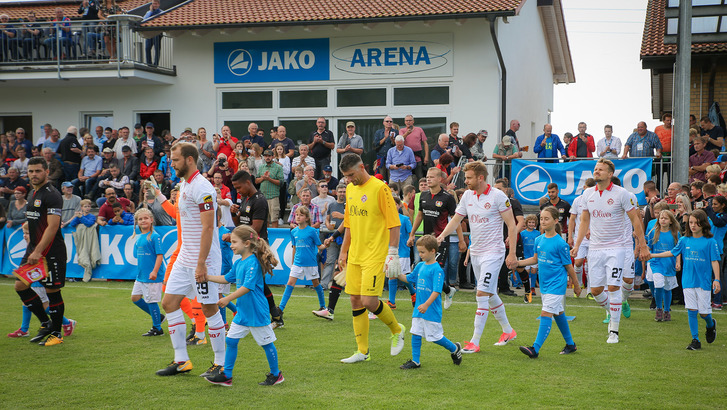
(708, 320)
(564, 328)
(286, 296)
(446, 343)
(26, 319)
(230, 355)
(546, 323)
(272, 354)
(667, 300)
(156, 316)
(693, 323)
(533, 280)
(659, 297)
(393, 284)
(321, 298)
(410, 287)
(416, 348)
(141, 303)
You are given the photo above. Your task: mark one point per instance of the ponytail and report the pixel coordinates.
(258, 247)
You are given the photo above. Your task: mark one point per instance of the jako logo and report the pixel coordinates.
(16, 247)
(532, 182)
(239, 62)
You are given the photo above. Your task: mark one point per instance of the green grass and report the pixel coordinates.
(106, 363)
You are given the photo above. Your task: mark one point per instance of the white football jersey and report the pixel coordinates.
(608, 210)
(196, 196)
(485, 219)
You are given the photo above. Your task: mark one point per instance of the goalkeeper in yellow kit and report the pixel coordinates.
(369, 253)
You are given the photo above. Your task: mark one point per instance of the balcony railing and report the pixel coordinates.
(81, 45)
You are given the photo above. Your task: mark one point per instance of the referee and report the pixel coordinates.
(46, 241)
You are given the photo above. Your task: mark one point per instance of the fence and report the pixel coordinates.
(70, 45)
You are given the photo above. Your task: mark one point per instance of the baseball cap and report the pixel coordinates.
(483, 132)
(350, 124)
(125, 148)
(67, 184)
(150, 124)
(107, 149)
(138, 125)
(268, 152)
(721, 158)
(328, 168)
(188, 129)
(506, 141)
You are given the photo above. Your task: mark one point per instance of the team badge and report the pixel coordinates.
(507, 203)
(438, 204)
(36, 203)
(247, 209)
(364, 198)
(487, 205)
(610, 201)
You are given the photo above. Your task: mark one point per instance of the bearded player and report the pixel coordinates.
(372, 225)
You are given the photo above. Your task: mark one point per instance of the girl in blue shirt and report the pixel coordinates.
(554, 266)
(404, 258)
(147, 291)
(306, 244)
(701, 260)
(664, 237)
(256, 259)
(531, 273)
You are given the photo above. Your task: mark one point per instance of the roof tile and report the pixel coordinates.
(233, 12)
(652, 42)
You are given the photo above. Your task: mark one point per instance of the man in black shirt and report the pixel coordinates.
(252, 209)
(321, 142)
(70, 151)
(715, 133)
(46, 242)
(435, 208)
(562, 206)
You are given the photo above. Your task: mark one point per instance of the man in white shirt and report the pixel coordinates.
(609, 146)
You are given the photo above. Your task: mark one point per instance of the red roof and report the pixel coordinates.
(270, 12)
(652, 43)
(47, 10)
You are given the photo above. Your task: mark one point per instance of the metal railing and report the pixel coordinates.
(82, 44)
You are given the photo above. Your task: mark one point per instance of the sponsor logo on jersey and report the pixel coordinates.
(507, 203)
(207, 198)
(476, 219)
(356, 211)
(36, 203)
(597, 213)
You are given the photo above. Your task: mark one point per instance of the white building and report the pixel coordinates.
(234, 61)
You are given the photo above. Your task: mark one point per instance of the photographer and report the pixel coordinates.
(223, 167)
(224, 144)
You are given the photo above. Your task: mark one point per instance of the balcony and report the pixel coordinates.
(91, 52)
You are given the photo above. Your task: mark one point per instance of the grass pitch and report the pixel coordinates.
(107, 363)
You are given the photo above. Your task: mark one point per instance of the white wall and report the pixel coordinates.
(192, 98)
(529, 73)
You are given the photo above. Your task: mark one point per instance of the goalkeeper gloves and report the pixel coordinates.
(392, 266)
(340, 277)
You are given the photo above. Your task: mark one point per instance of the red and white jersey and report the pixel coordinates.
(486, 223)
(608, 210)
(576, 209)
(197, 195)
(628, 226)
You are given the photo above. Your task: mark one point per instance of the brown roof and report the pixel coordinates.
(270, 12)
(47, 10)
(652, 43)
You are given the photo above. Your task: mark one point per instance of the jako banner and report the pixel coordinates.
(530, 180)
(117, 252)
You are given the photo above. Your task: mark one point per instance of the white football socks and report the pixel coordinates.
(602, 300)
(614, 299)
(497, 308)
(480, 318)
(626, 289)
(216, 331)
(177, 328)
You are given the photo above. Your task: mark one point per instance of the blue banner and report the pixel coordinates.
(117, 252)
(272, 61)
(530, 180)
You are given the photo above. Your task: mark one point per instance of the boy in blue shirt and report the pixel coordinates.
(427, 317)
